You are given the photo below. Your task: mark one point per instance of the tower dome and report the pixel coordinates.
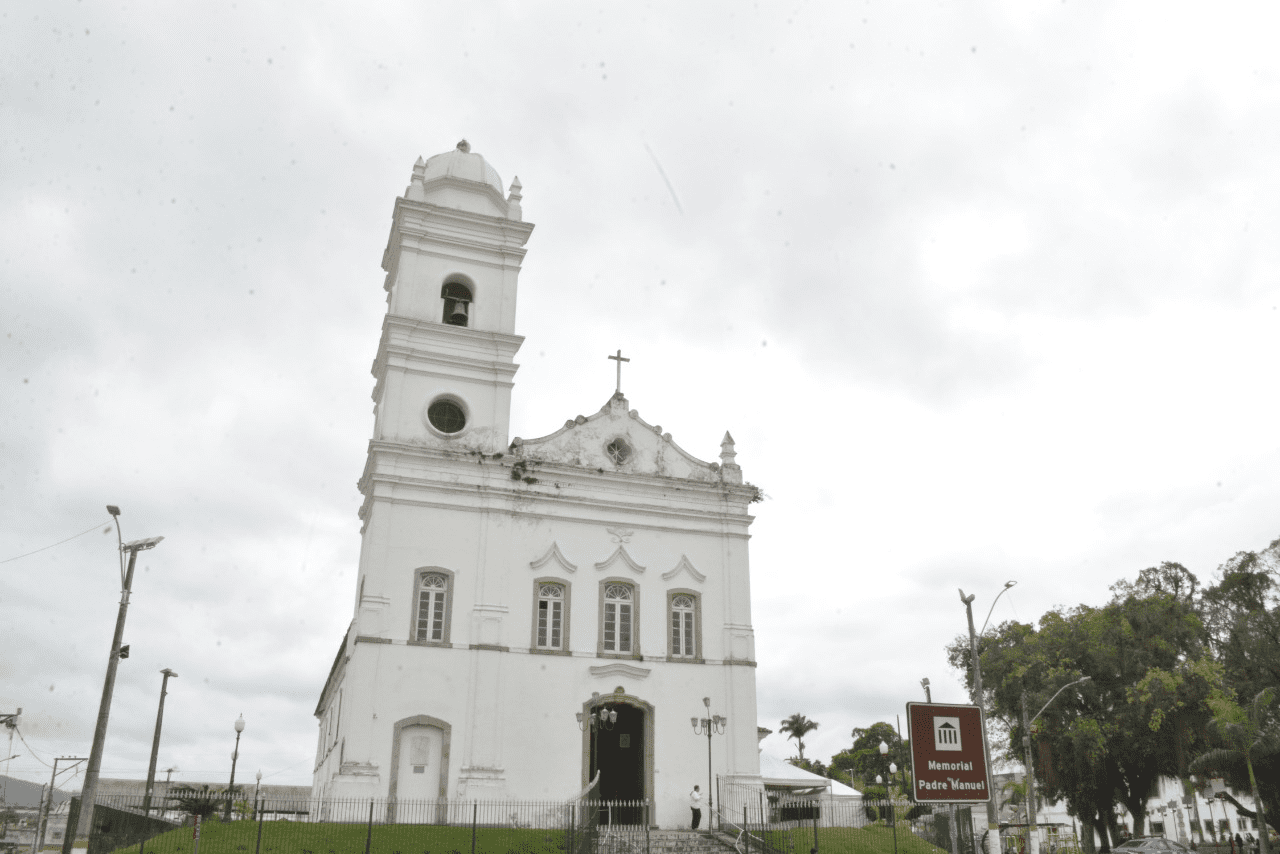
(461, 164)
(463, 180)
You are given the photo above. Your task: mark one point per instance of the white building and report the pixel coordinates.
(504, 583)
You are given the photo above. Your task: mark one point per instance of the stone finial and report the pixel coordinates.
(514, 210)
(727, 453)
(416, 192)
(464, 146)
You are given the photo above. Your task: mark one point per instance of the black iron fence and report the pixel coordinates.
(756, 820)
(375, 826)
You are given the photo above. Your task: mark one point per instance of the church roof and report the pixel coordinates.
(617, 439)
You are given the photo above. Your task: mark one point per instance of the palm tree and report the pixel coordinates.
(1246, 732)
(798, 726)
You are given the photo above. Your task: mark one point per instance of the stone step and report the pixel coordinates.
(686, 842)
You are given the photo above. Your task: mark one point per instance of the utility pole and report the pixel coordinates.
(155, 743)
(88, 795)
(47, 805)
(993, 825)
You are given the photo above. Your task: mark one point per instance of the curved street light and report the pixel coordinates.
(993, 824)
(88, 794)
(1033, 839)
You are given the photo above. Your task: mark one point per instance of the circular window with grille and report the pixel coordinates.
(447, 416)
(618, 451)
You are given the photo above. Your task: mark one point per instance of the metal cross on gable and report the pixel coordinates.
(619, 358)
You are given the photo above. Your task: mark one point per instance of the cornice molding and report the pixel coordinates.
(684, 566)
(553, 554)
(620, 669)
(620, 555)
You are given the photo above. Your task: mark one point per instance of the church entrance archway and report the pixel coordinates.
(623, 755)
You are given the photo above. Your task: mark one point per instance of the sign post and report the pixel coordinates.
(948, 754)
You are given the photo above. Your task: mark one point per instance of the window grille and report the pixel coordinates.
(682, 637)
(617, 618)
(431, 607)
(550, 616)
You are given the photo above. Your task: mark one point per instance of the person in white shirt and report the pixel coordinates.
(695, 804)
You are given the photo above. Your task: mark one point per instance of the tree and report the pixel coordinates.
(1242, 615)
(798, 726)
(1137, 719)
(203, 802)
(1249, 736)
(863, 761)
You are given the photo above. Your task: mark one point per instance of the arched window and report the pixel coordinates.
(549, 620)
(683, 639)
(619, 614)
(457, 304)
(433, 608)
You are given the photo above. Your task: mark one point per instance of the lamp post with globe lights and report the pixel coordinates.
(710, 725)
(235, 754)
(893, 769)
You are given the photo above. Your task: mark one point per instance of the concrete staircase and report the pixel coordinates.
(686, 842)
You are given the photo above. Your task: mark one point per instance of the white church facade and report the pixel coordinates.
(509, 589)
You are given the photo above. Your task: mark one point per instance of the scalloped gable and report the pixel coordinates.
(553, 554)
(684, 566)
(621, 556)
(582, 442)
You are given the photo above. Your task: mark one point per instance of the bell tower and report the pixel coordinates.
(445, 366)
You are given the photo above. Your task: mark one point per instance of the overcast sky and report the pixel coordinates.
(984, 291)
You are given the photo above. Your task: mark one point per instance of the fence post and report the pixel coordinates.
(573, 821)
(261, 814)
(368, 838)
(475, 811)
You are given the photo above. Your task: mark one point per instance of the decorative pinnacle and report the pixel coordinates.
(464, 146)
(727, 453)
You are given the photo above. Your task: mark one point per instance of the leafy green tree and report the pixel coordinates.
(813, 766)
(8, 816)
(863, 760)
(1242, 614)
(203, 802)
(1249, 734)
(798, 726)
(1110, 739)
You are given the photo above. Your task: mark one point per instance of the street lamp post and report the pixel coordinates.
(993, 826)
(602, 718)
(235, 754)
(155, 742)
(256, 789)
(893, 769)
(710, 725)
(88, 794)
(1033, 840)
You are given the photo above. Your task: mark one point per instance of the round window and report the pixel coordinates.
(619, 451)
(446, 416)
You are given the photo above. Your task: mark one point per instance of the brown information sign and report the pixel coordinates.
(947, 759)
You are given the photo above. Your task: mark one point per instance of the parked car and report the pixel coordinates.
(1152, 845)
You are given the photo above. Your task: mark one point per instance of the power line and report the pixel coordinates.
(46, 548)
(29, 747)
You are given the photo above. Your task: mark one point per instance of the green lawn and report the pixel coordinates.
(849, 840)
(289, 837)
